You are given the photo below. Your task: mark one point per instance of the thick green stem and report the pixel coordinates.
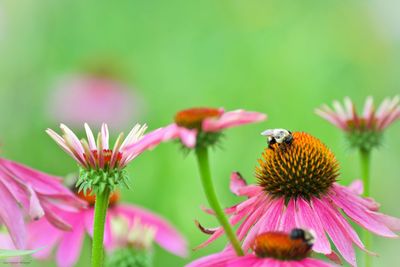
(100, 210)
(205, 174)
(365, 157)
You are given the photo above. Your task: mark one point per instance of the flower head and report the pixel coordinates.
(364, 130)
(101, 165)
(269, 249)
(296, 189)
(27, 191)
(123, 221)
(198, 127)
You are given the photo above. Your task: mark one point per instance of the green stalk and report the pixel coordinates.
(365, 156)
(100, 210)
(205, 174)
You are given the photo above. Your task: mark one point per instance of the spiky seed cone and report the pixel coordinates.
(304, 168)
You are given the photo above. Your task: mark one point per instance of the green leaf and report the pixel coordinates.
(15, 253)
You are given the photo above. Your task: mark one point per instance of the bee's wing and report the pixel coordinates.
(268, 132)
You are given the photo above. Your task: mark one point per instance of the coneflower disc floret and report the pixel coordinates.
(304, 168)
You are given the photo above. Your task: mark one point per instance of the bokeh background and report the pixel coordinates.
(284, 58)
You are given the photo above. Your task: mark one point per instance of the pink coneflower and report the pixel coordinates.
(95, 98)
(102, 165)
(199, 126)
(364, 130)
(269, 249)
(27, 191)
(42, 234)
(297, 188)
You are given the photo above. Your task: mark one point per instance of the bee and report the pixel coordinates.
(290, 246)
(278, 136)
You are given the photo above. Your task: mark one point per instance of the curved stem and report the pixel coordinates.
(365, 157)
(100, 210)
(205, 174)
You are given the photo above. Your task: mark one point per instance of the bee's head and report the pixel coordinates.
(306, 236)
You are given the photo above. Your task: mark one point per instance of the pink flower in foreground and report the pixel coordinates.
(269, 249)
(94, 99)
(296, 189)
(198, 126)
(42, 234)
(364, 130)
(27, 191)
(101, 165)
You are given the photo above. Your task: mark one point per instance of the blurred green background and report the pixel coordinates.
(284, 58)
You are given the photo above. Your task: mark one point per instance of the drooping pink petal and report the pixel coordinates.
(12, 218)
(336, 232)
(52, 214)
(247, 260)
(70, 246)
(166, 235)
(356, 187)
(268, 222)
(326, 113)
(360, 215)
(288, 220)
(308, 219)
(231, 119)
(314, 263)
(41, 234)
(239, 187)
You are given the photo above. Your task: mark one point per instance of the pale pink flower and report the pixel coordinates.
(269, 249)
(69, 244)
(27, 191)
(94, 99)
(90, 154)
(197, 125)
(346, 117)
(297, 189)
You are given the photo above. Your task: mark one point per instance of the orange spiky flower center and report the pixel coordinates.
(303, 168)
(280, 245)
(90, 197)
(194, 117)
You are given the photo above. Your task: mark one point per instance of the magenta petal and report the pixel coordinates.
(70, 246)
(166, 235)
(315, 263)
(42, 235)
(213, 260)
(11, 216)
(231, 119)
(288, 221)
(335, 230)
(357, 187)
(361, 215)
(308, 219)
(247, 260)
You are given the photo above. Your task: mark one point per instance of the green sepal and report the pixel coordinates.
(98, 180)
(364, 140)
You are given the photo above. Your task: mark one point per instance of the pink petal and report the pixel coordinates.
(166, 235)
(315, 263)
(288, 221)
(247, 260)
(329, 115)
(336, 232)
(70, 246)
(339, 110)
(11, 216)
(90, 137)
(308, 219)
(269, 221)
(61, 142)
(239, 187)
(54, 215)
(213, 260)
(41, 234)
(356, 187)
(72, 141)
(231, 119)
(360, 215)
(104, 136)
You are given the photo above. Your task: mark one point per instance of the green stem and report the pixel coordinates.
(100, 210)
(365, 157)
(205, 174)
